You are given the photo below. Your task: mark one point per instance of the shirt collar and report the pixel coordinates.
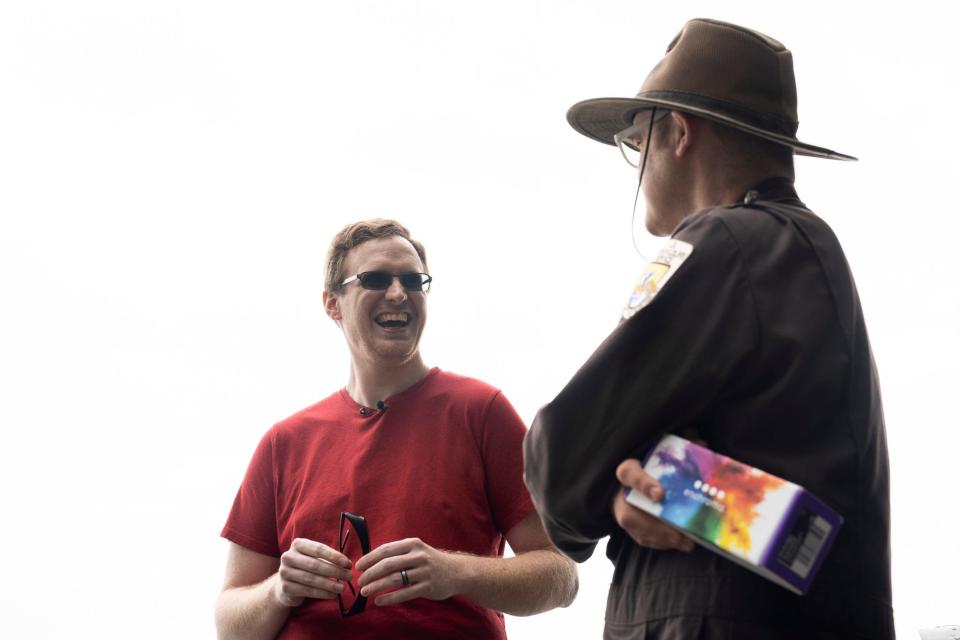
(777, 189)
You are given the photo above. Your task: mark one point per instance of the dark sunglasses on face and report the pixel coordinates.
(381, 280)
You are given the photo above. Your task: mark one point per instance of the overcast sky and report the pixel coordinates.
(171, 174)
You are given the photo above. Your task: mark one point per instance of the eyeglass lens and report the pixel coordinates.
(631, 152)
(350, 547)
(631, 140)
(380, 280)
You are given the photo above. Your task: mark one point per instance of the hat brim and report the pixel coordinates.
(601, 118)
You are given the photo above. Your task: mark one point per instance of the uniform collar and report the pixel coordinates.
(778, 189)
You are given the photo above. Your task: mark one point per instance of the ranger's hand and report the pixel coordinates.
(645, 529)
(310, 569)
(430, 573)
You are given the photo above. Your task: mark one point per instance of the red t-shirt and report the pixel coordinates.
(443, 462)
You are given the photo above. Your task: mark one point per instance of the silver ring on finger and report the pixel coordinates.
(404, 578)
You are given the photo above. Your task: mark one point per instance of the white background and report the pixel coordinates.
(170, 176)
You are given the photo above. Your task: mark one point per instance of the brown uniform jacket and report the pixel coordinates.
(757, 344)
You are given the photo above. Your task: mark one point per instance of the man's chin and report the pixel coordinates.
(396, 352)
(655, 228)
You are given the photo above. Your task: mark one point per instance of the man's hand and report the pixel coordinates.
(432, 573)
(645, 529)
(310, 569)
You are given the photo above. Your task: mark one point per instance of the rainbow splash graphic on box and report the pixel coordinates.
(765, 523)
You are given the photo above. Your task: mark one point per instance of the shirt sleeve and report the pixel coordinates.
(658, 372)
(501, 446)
(252, 522)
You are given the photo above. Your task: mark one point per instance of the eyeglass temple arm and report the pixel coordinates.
(360, 524)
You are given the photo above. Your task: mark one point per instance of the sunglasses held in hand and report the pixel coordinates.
(353, 603)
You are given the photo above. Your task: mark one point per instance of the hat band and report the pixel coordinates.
(727, 110)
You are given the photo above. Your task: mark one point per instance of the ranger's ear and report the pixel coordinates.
(683, 133)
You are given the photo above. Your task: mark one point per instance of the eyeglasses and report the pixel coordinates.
(381, 280)
(630, 140)
(352, 603)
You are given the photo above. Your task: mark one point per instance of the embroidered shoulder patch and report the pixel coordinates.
(656, 274)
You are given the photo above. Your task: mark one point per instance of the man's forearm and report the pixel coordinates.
(532, 582)
(250, 613)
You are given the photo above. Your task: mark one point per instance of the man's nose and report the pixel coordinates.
(396, 292)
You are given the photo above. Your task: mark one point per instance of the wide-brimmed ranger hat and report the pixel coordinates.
(719, 71)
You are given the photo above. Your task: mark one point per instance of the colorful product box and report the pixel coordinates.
(770, 526)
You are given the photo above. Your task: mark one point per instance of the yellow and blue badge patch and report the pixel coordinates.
(656, 274)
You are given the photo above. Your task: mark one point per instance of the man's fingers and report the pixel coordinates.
(390, 566)
(321, 568)
(392, 580)
(293, 592)
(420, 590)
(387, 550)
(644, 528)
(301, 591)
(648, 531)
(630, 473)
(299, 557)
(310, 579)
(319, 550)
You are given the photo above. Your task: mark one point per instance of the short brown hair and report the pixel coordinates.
(356, 234)
(754, 149)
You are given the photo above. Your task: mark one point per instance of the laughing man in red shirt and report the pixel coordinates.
(425, 466)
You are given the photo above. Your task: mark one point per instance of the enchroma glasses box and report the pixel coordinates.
(770, 526)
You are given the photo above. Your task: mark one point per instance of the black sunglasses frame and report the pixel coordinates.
(359, 524)
(409, 280)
